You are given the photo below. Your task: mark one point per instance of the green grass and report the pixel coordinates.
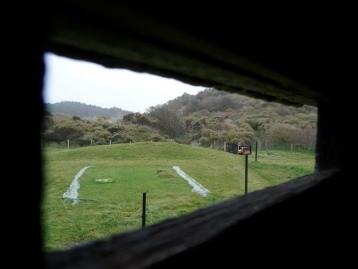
(107, 208)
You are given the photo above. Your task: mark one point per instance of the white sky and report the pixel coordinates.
(72, 80)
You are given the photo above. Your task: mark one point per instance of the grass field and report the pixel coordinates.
(107, 208)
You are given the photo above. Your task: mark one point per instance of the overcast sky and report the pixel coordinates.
(72, 80)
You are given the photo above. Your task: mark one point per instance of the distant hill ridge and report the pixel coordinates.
(86, 111)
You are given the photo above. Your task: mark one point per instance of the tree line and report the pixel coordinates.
(207, 119)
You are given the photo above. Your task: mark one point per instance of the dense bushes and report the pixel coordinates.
(98, 132)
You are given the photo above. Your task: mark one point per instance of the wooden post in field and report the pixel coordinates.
(68, 143)
(246, 173)
(256, 152)
(144, 205)
(245, 150)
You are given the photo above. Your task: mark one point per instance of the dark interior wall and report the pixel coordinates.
(335, 146)
(308, 43)
(212, 46)
(305, 43)
(23, 36)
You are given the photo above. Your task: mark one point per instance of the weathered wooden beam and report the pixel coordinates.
(335, 146)
(117, 36)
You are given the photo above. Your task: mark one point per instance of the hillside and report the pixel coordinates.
(212, 117)
(111, 189)
(85, 111)
(207, 119)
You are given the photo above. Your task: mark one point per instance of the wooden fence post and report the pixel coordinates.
(246, 174)
(256, 152)
(144, 205)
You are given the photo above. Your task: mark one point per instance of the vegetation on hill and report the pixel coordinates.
(207, 119)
